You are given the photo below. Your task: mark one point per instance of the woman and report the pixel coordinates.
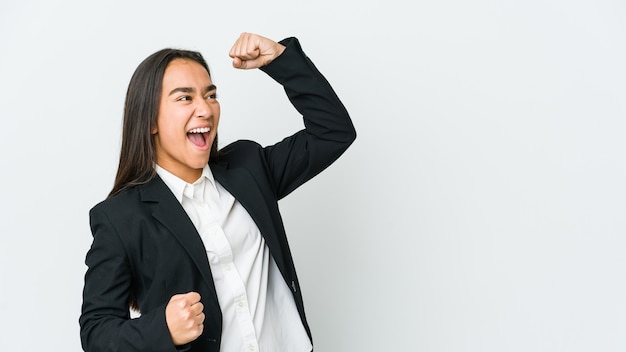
(191, 237)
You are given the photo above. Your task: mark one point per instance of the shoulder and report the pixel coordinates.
(242, 145)
(127, 204)
(240, 153)
(118, 200)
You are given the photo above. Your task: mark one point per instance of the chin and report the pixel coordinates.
(198, 162)
(200, 165)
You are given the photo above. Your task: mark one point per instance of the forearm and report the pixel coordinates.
(310, 93)
(108, 333)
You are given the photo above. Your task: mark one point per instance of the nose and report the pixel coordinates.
(204, 108)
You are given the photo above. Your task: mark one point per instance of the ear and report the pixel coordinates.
(154, 130)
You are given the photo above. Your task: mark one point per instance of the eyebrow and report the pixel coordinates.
(191, 90)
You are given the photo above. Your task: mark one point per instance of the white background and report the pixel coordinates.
(482, 207)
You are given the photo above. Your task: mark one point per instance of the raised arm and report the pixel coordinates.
(328, 130)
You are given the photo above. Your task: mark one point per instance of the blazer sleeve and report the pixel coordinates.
(105, 323)
(328, 130)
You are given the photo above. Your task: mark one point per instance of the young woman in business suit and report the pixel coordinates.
(191, 236)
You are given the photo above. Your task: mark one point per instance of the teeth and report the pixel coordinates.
(200, 130)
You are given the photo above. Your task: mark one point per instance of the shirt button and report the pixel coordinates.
(251, 347)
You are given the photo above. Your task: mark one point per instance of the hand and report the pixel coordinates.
(184, 317)
(253, 51)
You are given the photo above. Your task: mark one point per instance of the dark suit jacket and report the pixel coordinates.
(144, 242)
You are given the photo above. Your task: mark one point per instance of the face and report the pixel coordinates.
(187, 121)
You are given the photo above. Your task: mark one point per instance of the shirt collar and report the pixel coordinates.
(177, 185)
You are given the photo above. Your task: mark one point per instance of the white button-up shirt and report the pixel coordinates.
(258, 309)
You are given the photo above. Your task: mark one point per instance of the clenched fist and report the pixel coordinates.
(253, 51)
(184, 317)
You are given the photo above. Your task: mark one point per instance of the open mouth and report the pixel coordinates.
(199, 136)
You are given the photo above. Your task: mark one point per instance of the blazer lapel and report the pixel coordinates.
(169, 212)
(240, 183)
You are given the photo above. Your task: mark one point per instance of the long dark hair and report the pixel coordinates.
(138, 151)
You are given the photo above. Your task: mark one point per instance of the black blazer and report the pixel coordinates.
(144, 242)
